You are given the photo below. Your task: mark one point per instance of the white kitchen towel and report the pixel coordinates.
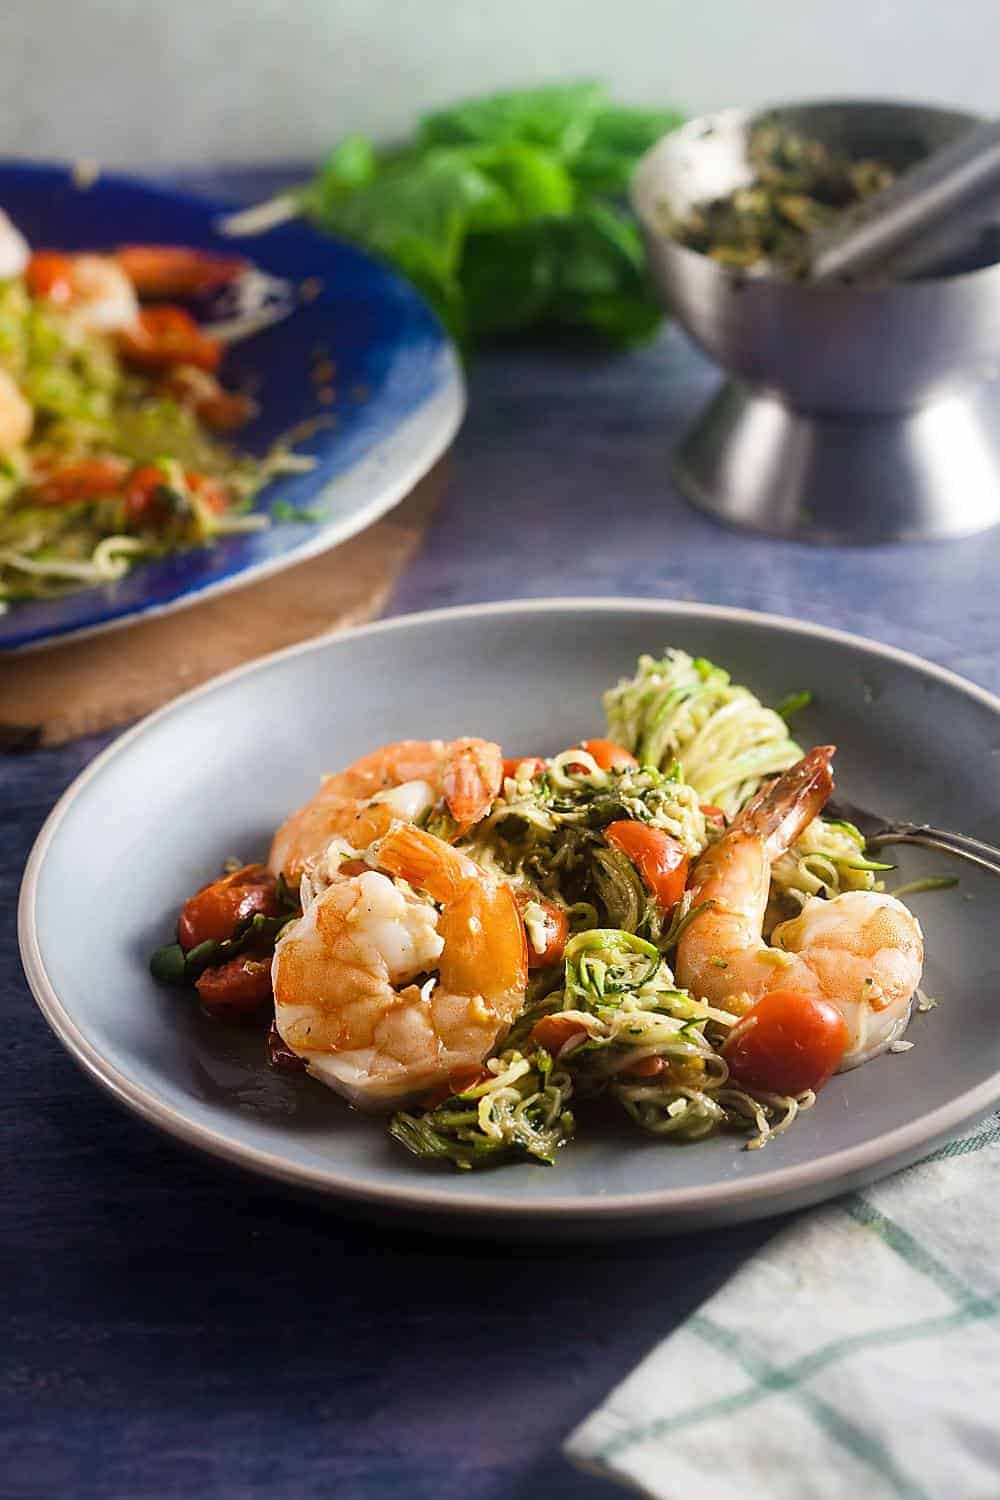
(857, 1353)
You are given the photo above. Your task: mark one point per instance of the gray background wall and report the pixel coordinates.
(274, 79)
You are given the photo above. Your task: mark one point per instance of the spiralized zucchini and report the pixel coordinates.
(85, 403)
(685, 713)
(629, 1034)
(547, 832)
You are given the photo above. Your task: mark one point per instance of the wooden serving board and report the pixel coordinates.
(58, 693)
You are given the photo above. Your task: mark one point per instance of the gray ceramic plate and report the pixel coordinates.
(213, 773)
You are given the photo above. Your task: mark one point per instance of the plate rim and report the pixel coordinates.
(783, 1186)
(442, 412)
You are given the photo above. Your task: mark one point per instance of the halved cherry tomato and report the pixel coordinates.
(786, 1043)
(167, 335)
(49, 274)
(556, 930)
(237, 988)
(177, 270)
(512, 764)
(553, 1032)
(459, 1081)
(147, 501)
(215, 910)
(660, 860)
(609, 756)
(83, 479)
(148, 498)
(713, 814)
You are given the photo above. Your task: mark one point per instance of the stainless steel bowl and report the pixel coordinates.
(857, 412)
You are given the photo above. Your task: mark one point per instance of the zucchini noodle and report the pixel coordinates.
(111, 559)
(610, 1024)
(86, 406)
(547, 832)
(687, 710)
(630, 1036)
(685, 713)
(520, 1109)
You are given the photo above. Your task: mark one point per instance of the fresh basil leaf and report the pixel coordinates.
(535, 182)
(352, 164)
(495, 211)
(618, 138)
(558, 116)
(508, 280)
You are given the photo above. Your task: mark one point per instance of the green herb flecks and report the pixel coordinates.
(798, 185)
(283, 510)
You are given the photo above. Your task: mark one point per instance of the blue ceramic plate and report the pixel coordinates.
(399, 389)
(915, 741)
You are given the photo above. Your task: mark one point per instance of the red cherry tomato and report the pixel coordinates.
(553, 1032)
(660, 860)
(713, 814)
(166, 335)
(556, 930)
(214, 912)
(237, 988)
(49, 274)
(609, 756)
(534, 762)
(146, 500)
(84, 479)
(786, 1043)
(147, 495)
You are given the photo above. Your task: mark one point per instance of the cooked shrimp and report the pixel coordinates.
(92, 290)
(345, 996)
(14, 251)
(177, 270)
(404, 781)
(16, 416)
(862, 950)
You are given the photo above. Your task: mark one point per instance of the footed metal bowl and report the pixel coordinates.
(856, 412)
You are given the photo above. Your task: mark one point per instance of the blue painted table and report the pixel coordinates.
(174, 1331)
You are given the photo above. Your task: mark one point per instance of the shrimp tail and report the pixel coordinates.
(472, 780)
(778, 813)
(424, 861)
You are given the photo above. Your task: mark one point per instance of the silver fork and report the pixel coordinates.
(878, 832)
